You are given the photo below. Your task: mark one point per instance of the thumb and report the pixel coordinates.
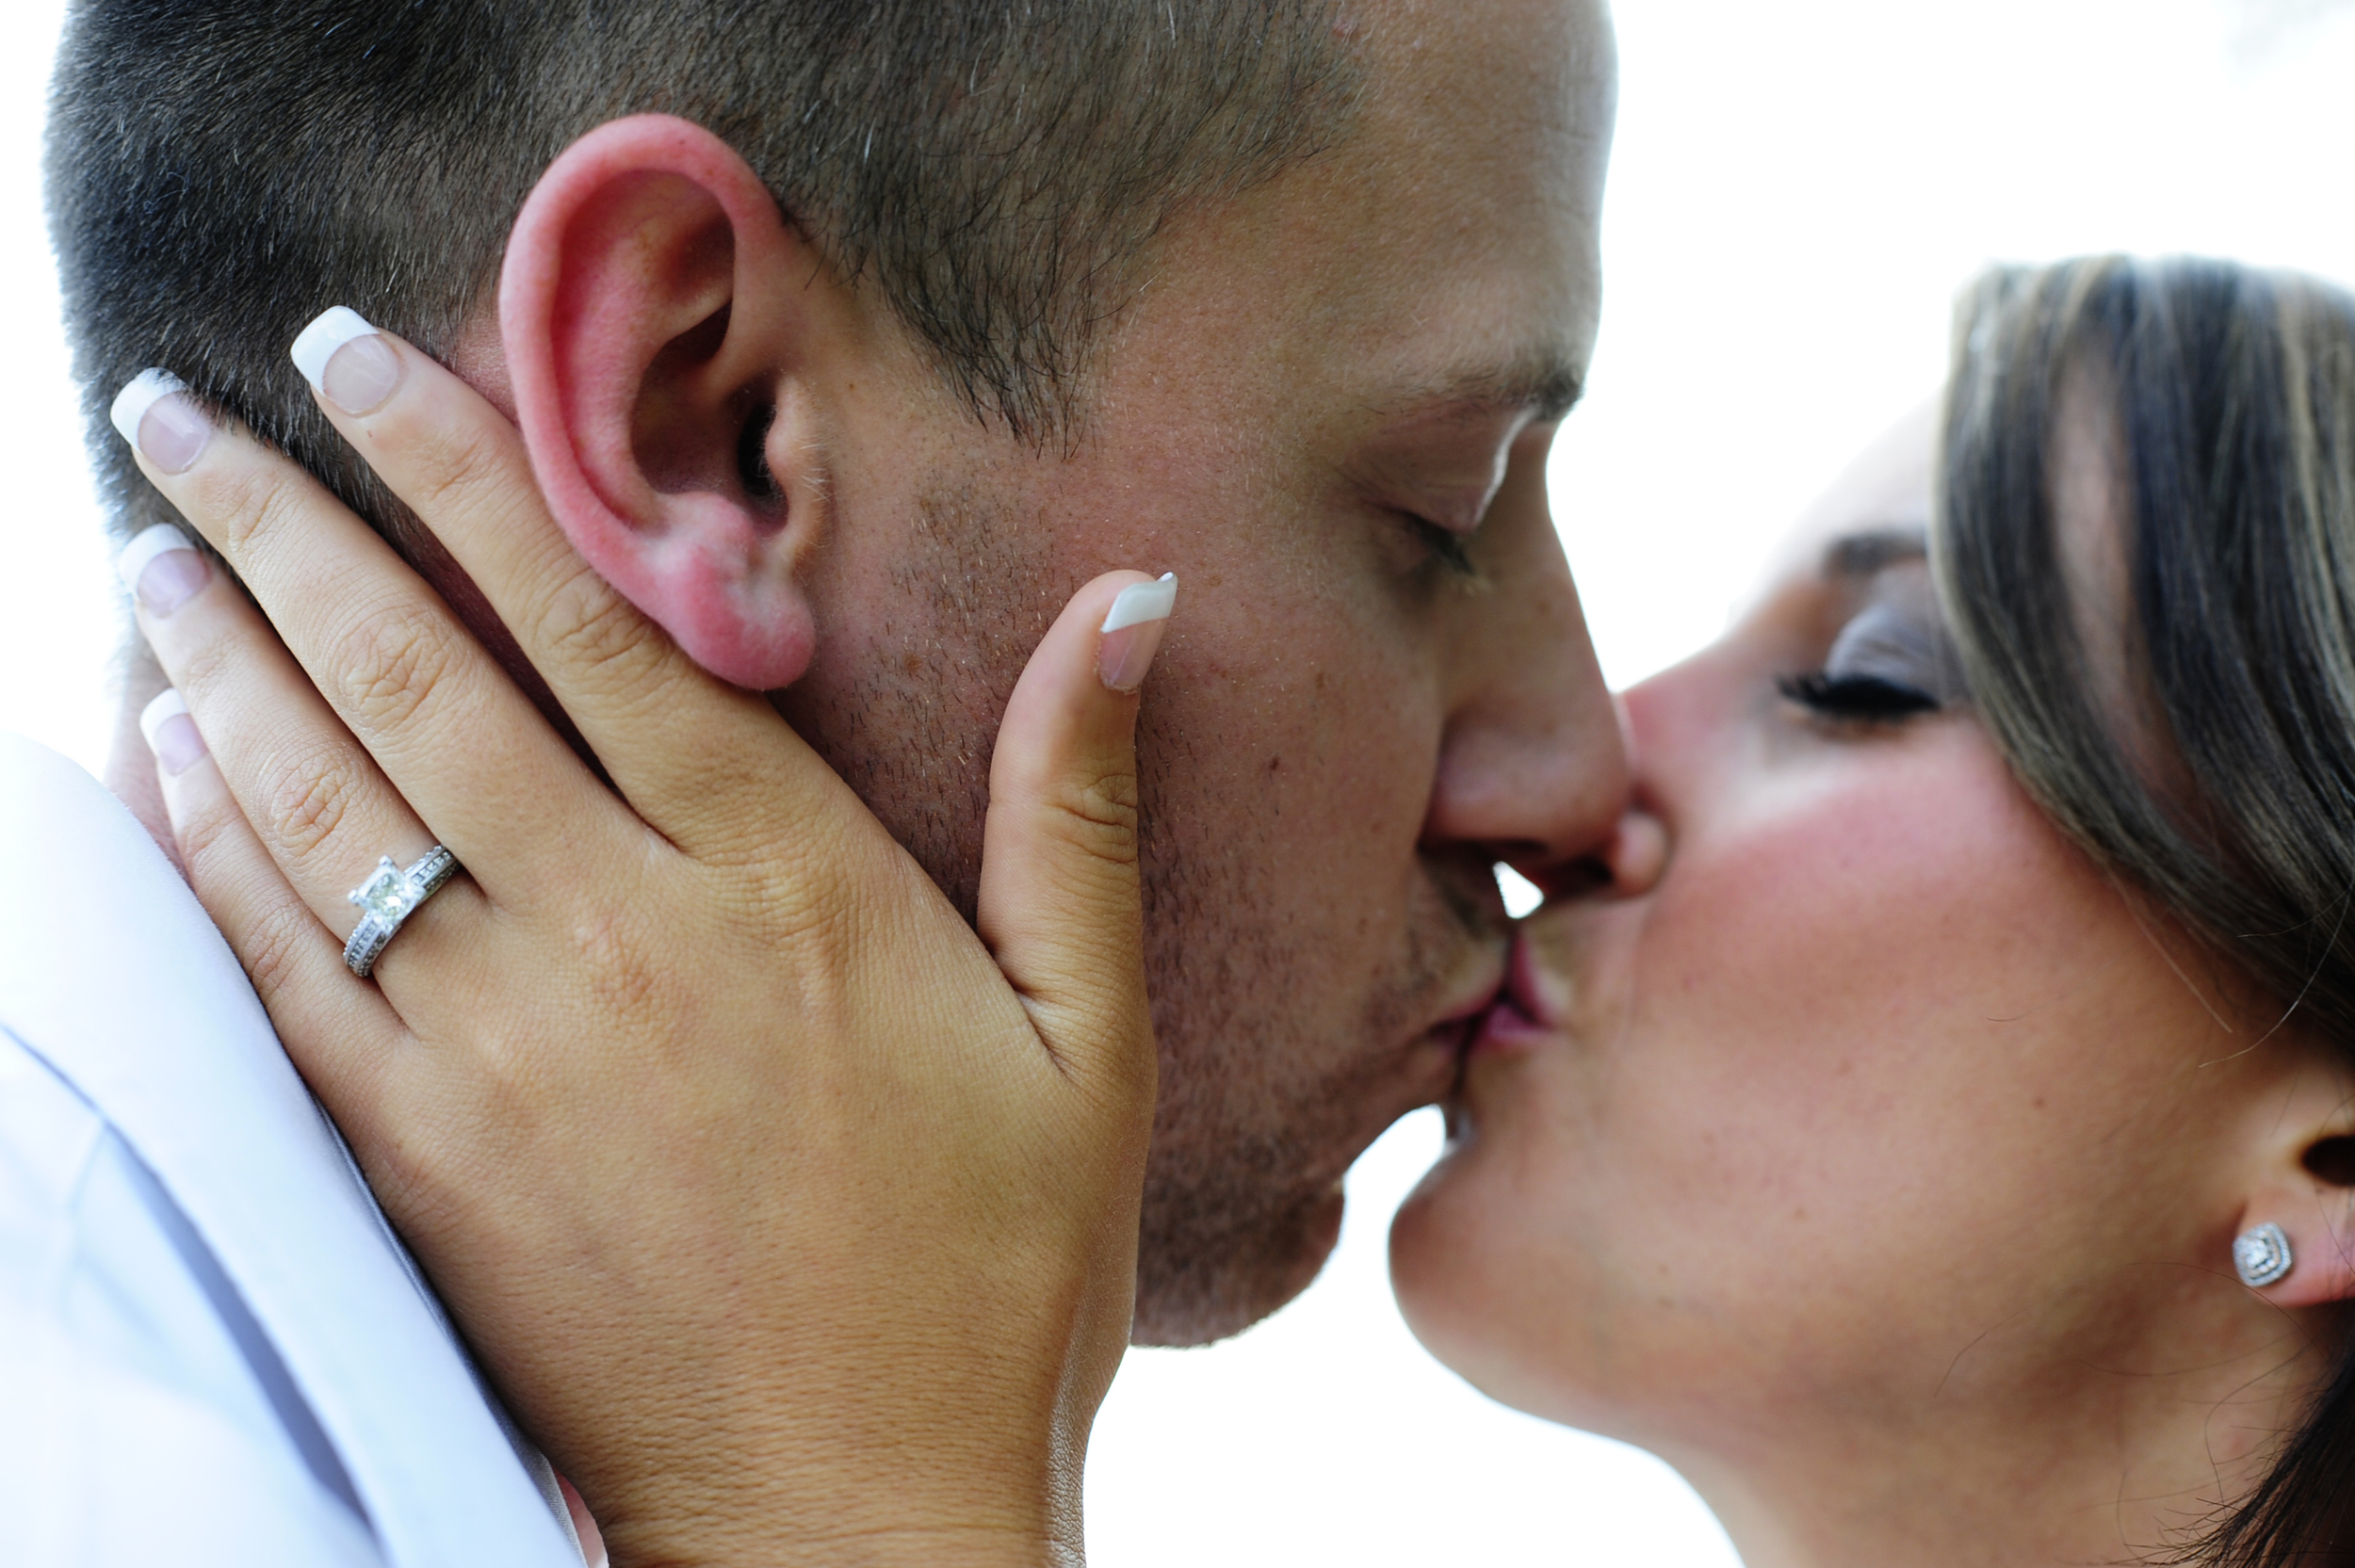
(1060, 907)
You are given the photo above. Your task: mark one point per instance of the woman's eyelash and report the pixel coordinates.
(1866, 698)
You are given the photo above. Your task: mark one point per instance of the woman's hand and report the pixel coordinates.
(795, 1220)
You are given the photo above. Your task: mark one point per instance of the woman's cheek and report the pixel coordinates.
(1471, 1258)
(1741, 1057)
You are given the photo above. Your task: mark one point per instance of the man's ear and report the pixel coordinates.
(661, 324)
(2304, 1182)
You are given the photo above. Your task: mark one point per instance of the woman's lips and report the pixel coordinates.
(1506, 1029)
(1523, 1014)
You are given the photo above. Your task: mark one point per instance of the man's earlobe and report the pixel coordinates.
(662, 348)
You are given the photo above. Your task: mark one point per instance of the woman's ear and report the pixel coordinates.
(2305, 1186)
(662, 325)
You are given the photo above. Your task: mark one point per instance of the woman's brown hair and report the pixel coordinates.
(2224, 790)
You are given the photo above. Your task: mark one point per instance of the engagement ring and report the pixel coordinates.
(389, 897)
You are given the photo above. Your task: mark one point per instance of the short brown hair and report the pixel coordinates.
(220, 170)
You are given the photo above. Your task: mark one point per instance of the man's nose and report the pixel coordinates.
(1533, 768)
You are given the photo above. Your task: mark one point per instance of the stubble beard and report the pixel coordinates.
(1261, 1110)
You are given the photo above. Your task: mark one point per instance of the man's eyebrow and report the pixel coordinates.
(1871, 551)
(1545, 382)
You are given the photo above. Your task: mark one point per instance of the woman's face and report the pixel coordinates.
(1878, 1105)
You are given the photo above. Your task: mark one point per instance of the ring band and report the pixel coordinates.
(389, 897)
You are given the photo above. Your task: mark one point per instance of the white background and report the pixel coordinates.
(1799, 187)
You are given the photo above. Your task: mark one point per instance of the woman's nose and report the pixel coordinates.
(1636, 856)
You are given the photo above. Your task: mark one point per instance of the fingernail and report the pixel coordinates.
(172, 734)
(346, 360)
(163, 569)
(1132, 631)
(157, 416)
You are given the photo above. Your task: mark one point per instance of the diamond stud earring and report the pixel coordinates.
(2261, 1256)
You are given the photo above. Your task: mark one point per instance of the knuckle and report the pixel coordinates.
(208, 836)
(595, 633)
(795, 899)
(454, 462)
(273, 951)
(629, 985)
(1098, 814)
(209, 665)
(391, 661)
(248, 501)
(805, 919)
(304, 797)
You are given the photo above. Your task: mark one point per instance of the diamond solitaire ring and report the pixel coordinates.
(390, 897)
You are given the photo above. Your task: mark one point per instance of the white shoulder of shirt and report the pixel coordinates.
(212, 1350)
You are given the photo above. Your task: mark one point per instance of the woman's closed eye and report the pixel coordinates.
(1889, 663)
(1866, 698)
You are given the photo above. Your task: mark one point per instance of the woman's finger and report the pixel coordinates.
(304, 787)
(1061, 907)
(656, 721)
(295, 963)
(385, 661)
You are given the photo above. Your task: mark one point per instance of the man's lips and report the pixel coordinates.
(1460, 1026)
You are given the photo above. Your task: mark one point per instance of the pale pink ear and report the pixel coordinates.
(640, 323)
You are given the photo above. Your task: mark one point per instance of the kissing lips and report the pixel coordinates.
(1521, 1014)
(1459, 1029)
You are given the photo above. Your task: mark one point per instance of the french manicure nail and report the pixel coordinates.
(346, 360)
(1132, 631)
(171, 734)
(157, 416)
(163, 569)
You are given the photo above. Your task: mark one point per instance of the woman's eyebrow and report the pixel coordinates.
(1871, 551)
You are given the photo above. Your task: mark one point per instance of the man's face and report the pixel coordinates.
(1343, 731)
